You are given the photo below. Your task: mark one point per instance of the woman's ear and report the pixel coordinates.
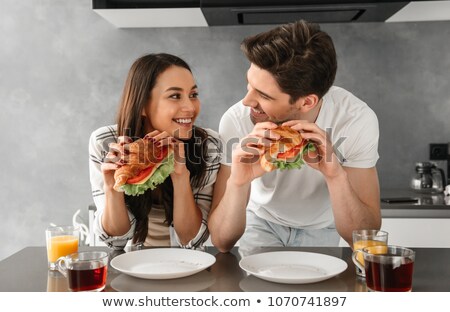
(143, 113)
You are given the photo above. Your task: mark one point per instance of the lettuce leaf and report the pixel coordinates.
(298, 162)
(158, 177)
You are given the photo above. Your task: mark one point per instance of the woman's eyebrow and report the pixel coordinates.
(179, 89)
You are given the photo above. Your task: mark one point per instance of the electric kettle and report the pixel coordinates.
(428, 178)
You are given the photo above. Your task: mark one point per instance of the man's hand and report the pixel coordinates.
(323, 158)
(246, 165)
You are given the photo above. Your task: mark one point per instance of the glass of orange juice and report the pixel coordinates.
(61, 241)
(367, 238)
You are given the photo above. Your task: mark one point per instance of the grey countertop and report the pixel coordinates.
(224, 275)
(427, 205)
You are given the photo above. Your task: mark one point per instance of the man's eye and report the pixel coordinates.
(263, 96)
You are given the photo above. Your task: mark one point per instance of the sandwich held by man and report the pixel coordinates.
(287, 152)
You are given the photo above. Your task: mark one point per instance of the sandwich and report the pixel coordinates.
(147, 166)
(287, 152)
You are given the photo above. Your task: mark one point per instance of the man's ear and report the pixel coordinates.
(307, 103)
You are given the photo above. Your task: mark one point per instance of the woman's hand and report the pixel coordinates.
(163, 139)
(323, 158)
(246, 158)
(115, 159)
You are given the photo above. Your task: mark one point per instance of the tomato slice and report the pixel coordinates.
(291, 153)
(144, 173)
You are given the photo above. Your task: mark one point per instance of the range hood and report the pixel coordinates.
(248, 12)
(203, 13)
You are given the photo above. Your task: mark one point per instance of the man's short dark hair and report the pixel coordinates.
(299, 55)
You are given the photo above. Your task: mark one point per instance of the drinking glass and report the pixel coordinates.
(365, 238)
(61, 241)
(388, 268)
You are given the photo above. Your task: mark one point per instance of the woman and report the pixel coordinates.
(159, 103)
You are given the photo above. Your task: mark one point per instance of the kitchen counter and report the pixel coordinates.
(427, 205)
(27, 271)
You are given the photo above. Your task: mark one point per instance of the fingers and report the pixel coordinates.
(266, 125)
(113, 158)
(263, 129)
(121, 147)
(105, 167)
(156, 136)
(165, 141)
(124, 140)
(317, 138)
(251, 147)
(312, 157)
(111, 162)
(248, 155)
(291, 123)
(304, 126)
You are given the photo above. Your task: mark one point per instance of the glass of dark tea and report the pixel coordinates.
(388, 268)
(85, 271)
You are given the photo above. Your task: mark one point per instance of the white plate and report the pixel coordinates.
(162, 263)
(293, 267)
(196, 282)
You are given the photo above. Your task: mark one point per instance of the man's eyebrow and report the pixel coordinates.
(179, 89)
(265, 94)
(259, 91)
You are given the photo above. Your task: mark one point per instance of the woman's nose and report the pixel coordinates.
(188, 106)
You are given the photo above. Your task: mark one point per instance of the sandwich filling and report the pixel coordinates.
(150, 177)
(287, 152)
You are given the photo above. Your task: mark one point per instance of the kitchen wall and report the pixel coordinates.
(62, 68)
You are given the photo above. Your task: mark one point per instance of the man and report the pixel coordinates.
(290, 83)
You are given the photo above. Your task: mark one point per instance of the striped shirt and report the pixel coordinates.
(98, 149)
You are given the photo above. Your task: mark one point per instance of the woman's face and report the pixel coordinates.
(174, 103)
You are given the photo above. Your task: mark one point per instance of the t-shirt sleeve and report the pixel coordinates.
(229, 135)
(360, 146)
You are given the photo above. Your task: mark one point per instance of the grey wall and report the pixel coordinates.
(61, 73)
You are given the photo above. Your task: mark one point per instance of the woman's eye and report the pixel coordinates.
(175, 96)
(194, 95)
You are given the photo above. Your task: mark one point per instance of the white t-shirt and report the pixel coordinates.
(300, 198)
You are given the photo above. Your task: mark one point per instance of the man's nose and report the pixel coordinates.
(249, 99)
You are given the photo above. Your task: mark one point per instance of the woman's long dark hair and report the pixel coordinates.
(136, 95)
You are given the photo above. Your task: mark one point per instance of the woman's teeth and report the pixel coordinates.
(184, 120)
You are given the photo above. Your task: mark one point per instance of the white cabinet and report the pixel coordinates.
(417, 232)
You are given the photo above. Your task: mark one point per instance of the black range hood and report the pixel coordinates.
(201, 13)
(254, 12)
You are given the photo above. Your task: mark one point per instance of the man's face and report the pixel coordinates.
(266, 100)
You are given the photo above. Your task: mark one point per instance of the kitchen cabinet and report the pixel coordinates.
(417, 232)
(425, 223)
